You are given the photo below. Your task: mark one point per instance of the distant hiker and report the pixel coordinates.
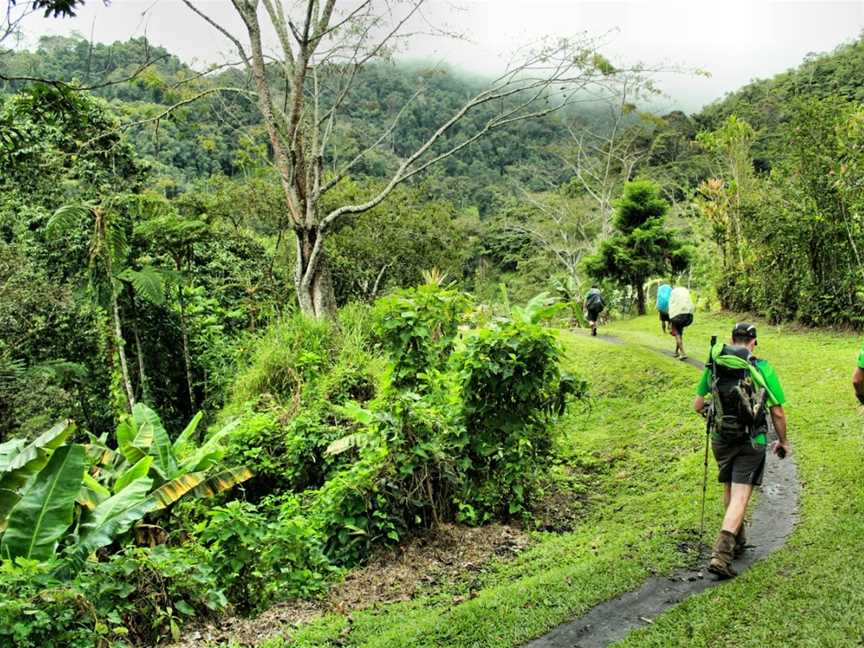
(593, 307)
(663, 293)
(858, 378)
(680, 317)
(746, 402)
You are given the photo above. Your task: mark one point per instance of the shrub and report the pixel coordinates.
(511, 390)
(140, 596)
(263, 555)
(417, 328)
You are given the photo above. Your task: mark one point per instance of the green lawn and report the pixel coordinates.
(810, 593)
(633, 439)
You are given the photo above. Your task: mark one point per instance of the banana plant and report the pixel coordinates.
(113, 488)
(20, 461)
(144, 448)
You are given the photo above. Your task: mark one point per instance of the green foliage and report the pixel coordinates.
(789, 243)
(139, 596)
(417, 328)
(643, 247)
(393, 244)
(353, 509)
(512, 391)
(88, 504)
(263, 554)
(43, 513)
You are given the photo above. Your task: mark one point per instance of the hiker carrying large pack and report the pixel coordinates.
(680, 316)
(663, 294)
(858, 377)
(594, 305)
(746, 404)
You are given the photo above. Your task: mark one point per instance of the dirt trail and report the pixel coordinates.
(772, 521)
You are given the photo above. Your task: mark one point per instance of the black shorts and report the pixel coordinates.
(594, 314)
(739, 463)
(680, 322)
(664, 317)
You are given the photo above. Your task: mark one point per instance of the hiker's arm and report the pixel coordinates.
(858, 384)
(698, 404)
(779, 418)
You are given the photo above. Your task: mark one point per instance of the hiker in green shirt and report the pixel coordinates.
(858, 378)
(746, 402)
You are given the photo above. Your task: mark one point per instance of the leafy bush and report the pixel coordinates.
(140, 596)
(417, 328)
(260, 555)
(37, 611)
(511, 390)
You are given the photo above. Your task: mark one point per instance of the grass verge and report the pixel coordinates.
(810, 592)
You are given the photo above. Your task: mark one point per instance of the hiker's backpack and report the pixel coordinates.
(739, 404)
(594, 300)
(663, 293)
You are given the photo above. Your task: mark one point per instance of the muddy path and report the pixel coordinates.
(771, 522)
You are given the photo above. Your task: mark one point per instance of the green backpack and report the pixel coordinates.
(738, 393)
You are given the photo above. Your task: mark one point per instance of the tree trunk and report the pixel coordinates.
(640, 298)
(314, 285)
(142, 376)
(121, 352)
(187, 358)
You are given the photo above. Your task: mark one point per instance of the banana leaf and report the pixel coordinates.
(209, 453)
(115, 515)
(222, 481)
(44, 512)
(164, 461)
(187, 433)
(10, 450)
(16, 468)
(140, 469)
(92, 493)
(110, 519)
(171, 491)
(134, 442)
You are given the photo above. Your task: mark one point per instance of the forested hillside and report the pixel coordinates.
(773, 176)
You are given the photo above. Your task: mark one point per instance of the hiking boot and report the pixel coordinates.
(721, 557)
(740, 542)
(594, 332)
(682, 357)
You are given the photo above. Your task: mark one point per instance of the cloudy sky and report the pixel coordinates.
(734, 40)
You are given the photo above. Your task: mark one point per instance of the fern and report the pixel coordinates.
(148, 283)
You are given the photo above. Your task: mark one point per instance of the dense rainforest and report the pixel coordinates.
(236, 452)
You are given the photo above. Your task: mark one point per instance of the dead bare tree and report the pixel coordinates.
(10, 23)
(304, 87)
(564, 230)
(602, 156)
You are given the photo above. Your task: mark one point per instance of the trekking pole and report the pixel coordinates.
(709, 420)
(704, 482)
